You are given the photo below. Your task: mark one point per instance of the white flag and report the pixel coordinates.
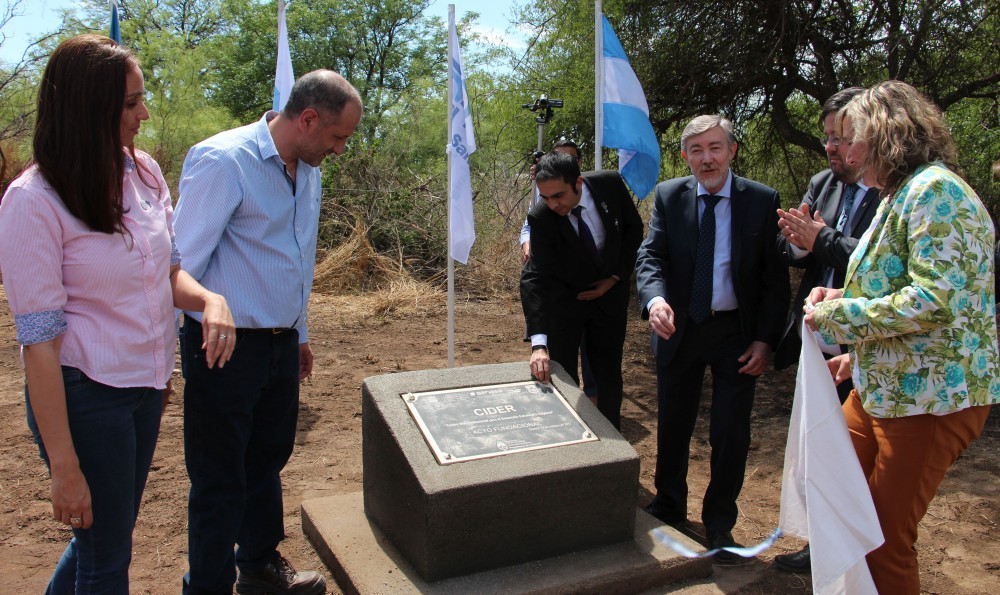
(461, 144)
(824, 493)
(284, 78)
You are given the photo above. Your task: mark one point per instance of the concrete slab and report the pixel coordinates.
(363, 560)
(453, 520)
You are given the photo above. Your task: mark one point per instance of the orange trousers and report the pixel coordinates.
(905, 460)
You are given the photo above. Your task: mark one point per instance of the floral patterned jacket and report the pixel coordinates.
(919, 302)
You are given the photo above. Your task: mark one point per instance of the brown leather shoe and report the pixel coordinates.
(278, 577)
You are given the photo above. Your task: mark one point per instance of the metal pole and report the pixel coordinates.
(534, 184)
(598, 85)
(451, 261)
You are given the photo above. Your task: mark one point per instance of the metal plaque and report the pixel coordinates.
(476, 422)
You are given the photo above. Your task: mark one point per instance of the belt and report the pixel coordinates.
(262, 331)
(247, 331)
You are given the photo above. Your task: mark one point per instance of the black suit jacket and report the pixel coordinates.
(560, 266)
(666, 260)
(831, 249)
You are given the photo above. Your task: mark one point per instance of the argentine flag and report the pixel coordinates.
(626, 118)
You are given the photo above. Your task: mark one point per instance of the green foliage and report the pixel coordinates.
(976, 128)
(209, 65)
(769, 65)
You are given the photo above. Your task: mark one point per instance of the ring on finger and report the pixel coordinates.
(223, 336)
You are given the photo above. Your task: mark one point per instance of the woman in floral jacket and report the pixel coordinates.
(917, 309)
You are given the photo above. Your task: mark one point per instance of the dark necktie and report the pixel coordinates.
(704, 265)
(850, 193)
(586, 237)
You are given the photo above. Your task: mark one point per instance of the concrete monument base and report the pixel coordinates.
(473, 516)
(363, 560)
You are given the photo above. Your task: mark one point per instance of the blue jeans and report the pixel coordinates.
(114, 434)
(239, 430)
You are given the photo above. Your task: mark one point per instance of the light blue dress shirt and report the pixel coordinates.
(723, 291)
(246, 230)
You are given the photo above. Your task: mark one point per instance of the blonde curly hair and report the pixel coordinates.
(902, 129)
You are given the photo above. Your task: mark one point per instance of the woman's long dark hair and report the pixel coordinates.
(77, 143)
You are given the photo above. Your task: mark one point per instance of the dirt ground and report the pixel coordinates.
(354, 338)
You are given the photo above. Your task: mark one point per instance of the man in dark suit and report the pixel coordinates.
(584, 237)
(716, 293)
(819, 237)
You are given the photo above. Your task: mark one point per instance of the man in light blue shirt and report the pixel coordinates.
(246, 223)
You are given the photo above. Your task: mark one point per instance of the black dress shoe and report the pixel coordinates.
(724, 539)
(795, 562)
(656, 510)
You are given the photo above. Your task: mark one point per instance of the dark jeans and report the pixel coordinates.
(715, 343)
(114, 434)
(239, 430)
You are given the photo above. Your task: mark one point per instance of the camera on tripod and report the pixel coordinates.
(543, 103)
(543, 106)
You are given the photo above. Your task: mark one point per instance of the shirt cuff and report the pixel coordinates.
(39, 327)
(796, 251)
(540, 339)
(653, 302)
(175, 254)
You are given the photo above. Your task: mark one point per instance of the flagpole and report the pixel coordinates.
(451, 261)
(598, 85)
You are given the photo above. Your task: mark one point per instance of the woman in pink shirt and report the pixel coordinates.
(92, 276)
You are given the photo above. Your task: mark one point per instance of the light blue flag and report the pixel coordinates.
(115, 32)
(462, 143)
(284, 78)
(626, 118)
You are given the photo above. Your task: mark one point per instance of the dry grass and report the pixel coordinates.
(354, 265)
(403, 297)
(359, 283)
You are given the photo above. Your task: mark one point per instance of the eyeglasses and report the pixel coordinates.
(836, 141)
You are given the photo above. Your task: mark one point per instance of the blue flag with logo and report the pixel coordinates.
(626, 118)
(461, 144)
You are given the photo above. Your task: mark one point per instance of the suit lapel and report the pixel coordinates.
(567, 231)
(831, 210)
(867, 201)
(608, 212)
(738, 206)
(612, 229)
(689, 215)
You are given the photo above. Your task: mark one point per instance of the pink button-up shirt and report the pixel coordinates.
(108, 295)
